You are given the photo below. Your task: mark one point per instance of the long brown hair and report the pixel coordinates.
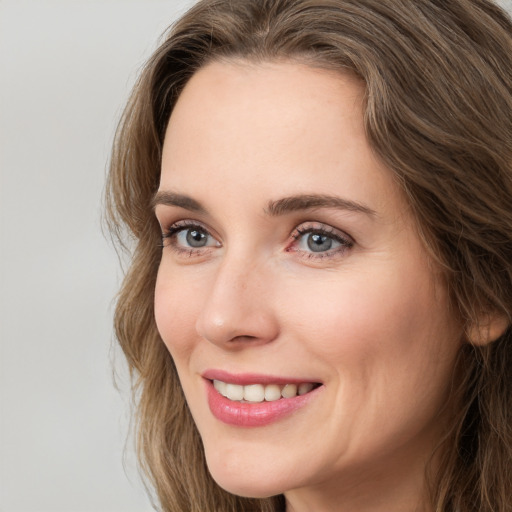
(438, 112)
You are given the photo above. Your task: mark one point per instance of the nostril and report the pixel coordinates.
(244, 338)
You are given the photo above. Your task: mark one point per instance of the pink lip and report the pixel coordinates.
(258, 414)
(244, 379)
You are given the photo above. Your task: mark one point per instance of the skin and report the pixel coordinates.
(369, 320)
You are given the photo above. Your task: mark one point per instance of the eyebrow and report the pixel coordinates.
(311, 201)
(274, 207)
(173, 199)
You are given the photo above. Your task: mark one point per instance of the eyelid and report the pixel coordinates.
(346, 241)
(170, 228)
(173, 230)
(313, 226)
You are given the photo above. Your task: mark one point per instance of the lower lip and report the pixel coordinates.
(255, 414)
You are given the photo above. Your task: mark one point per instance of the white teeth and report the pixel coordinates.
(254, 393)
(272, 392)
(305, 387)
(260, 392)
(220, 387)
(289, 391)
(234, 392)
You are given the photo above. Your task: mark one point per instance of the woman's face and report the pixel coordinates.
(291, 264)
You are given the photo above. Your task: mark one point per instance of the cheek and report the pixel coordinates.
(376, 323)
(176, 311)
(388, 347)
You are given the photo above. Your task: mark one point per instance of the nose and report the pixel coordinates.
(239, 308)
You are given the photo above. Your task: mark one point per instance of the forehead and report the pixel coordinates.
(266, 97)
(272, 125)
(281, 88)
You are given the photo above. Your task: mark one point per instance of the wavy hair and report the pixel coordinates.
(438, 113)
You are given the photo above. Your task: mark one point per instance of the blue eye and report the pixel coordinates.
(317, 242)
(189, 238)
(193, 237)
(311, 240)
(320, 241)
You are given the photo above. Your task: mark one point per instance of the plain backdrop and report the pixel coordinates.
(66, 67)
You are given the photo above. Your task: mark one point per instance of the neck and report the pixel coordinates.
(387, 485)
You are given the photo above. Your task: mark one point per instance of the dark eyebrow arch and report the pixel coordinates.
(274, 208)
(311, 201)
(173, 199)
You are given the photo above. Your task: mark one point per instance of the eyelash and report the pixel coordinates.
(345, 242)
(172, 232)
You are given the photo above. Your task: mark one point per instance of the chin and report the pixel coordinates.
(247, 488)
(245, 480)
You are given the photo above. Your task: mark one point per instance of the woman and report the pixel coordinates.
(317, 315)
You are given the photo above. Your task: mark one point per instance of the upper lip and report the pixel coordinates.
(244, 379)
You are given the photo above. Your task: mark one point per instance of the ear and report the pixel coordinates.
(489, 329)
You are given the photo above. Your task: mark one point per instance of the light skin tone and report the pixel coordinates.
(333, 287)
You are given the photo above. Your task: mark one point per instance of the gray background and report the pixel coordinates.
(65, 71)
(66, 67)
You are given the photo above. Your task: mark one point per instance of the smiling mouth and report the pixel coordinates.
(257, 393)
